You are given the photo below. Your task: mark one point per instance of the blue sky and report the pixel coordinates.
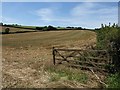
(84, 14)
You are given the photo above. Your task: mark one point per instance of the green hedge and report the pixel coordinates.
(108, 37)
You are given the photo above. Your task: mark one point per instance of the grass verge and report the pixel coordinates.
(67, 74)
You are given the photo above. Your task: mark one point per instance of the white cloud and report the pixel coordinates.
(85, 14)
(45, 14)
(9, 20)
(49, 15)
(0, 18)
(89, 8)
(82, 9)
(92, 16)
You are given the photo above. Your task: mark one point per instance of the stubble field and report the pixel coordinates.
(25, 56)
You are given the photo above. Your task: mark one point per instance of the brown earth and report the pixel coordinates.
(25, 57)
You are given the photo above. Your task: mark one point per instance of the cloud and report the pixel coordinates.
(50, 15)
(45, 14)
(93, 14)
(85, 14)
(82, 9)
(90, 8)
(9, 20)
(0, 18)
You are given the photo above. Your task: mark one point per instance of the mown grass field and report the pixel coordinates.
(48, 39)
(27, 59)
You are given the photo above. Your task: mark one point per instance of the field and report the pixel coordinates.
(15, 30)
(28, 56)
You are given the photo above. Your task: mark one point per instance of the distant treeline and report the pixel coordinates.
(18, 26)
(44, 28)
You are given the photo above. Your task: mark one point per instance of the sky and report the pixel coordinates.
(82, 14)
(60, 0)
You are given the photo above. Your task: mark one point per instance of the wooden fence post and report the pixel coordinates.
(53, 55)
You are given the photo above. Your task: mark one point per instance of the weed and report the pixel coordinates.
(113, 81)
(69, 74)
(54, 77)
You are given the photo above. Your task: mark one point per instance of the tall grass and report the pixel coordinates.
(67, 74)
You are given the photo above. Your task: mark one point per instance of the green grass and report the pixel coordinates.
(113, 81)
(67, 74)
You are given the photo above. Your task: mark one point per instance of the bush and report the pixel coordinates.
(39, 28)
(7, 30)
(113, 81)
(108, 37)
(51, 28)
(45, 28)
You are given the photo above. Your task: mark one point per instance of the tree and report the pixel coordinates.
(102, 26)
(7, 30)
(39, 28)
(45, 28)
(1, 24)
(51, 28)
(113, 25)
(108, 38)
(68, 27)
(58, 27)
(79, 28)
(109, 24)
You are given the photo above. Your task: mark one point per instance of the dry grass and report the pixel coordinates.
(12, 29)
(26, 55)
(48, 39)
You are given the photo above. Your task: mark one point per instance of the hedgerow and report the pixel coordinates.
(108, 37)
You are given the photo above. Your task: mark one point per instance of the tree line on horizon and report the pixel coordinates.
(43, 28)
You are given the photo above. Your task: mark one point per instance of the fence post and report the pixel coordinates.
(53, 55)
